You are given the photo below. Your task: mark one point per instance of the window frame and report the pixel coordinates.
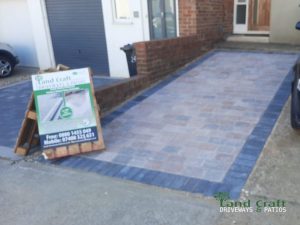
(164, 25)
(115, 16)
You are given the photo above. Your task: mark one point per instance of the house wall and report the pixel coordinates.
(119, 34)
(284, 16)
(202, 24)
(41, 34)
(228, 16)
(188, 16)
(16, 30)
(205, 17)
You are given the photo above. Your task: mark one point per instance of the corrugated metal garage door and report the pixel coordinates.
(78, 36)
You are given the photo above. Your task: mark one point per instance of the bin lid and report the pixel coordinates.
(127, 47)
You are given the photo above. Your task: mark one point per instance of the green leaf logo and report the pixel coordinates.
(66, 112)
(39, 78)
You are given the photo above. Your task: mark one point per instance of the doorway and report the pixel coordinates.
(259, 15)
(252, 16)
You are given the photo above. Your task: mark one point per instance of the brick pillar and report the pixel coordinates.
(142, 58)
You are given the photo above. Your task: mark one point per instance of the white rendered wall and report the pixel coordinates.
(41, 33)
(119, 34)
(284, 16)
(16, 30)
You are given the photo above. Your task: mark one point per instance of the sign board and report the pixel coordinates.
(65, 108)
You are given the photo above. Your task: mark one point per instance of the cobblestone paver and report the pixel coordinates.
(197, 125)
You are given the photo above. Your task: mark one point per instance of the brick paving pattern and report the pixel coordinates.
(197, 125)
(200, 130)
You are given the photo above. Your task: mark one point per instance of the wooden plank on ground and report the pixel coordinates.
(27, 131)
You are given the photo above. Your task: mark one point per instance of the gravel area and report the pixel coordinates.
(20, 74)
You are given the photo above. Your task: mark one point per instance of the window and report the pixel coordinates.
(162, 19)
(122, 10)
(241, 14)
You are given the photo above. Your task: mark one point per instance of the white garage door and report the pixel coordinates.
(15, 29)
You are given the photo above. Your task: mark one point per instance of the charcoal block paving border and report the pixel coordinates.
(236, 176)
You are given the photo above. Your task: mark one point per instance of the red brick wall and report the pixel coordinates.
(155, 59)
(210, 18)
(205, 17)
(228, 16)
(202, 23)
(187, 17)
(113, 95)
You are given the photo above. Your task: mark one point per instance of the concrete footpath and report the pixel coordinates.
(36, 194)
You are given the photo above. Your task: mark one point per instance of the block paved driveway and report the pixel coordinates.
(201, 130)
(197, 125)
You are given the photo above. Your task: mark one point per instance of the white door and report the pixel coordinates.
(240, 23)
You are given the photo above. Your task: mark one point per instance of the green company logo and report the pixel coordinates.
(247, 206)
(39, 78)
(66, 112)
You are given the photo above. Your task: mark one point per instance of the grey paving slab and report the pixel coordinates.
(197, 125)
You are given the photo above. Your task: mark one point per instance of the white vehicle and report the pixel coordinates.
(8, 60)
